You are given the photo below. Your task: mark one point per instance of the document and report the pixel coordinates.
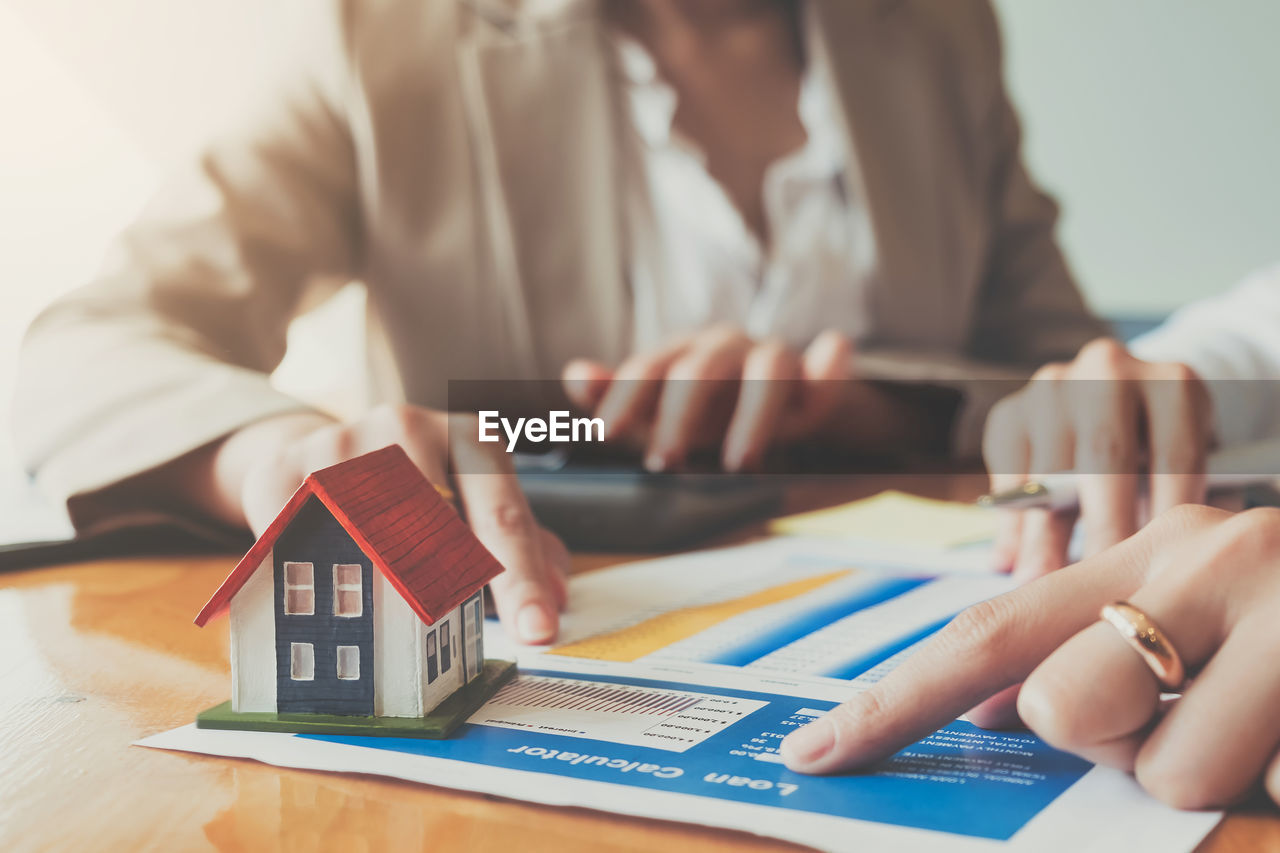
(677, 678)
(782, 608)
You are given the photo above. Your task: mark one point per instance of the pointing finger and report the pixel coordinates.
(986, 649)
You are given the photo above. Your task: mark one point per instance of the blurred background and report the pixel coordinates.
(1150, 120)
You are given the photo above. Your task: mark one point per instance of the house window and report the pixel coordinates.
(445, 662)
(299, 589)
(433, 666)
(349, 663)
(477, 619)
(302, 662)
(348, 595)
(471, 629)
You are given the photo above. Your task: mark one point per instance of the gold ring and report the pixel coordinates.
(1141, 632)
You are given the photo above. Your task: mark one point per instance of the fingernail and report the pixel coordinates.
(655, 462)
(534, 624)
(806, 745)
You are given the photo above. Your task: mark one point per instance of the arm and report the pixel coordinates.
(170, 348)
(149, 389)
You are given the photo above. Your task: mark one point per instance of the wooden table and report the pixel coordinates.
(96, 655)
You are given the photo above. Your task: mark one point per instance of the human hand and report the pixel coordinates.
(1103, 416)
(1206, 577)
(263, 464)
(715, 387)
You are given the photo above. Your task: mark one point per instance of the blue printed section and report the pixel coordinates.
(809, 621)
(851, 669)
(960, 780)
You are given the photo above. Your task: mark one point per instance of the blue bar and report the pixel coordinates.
(852, 669)
(811, 620)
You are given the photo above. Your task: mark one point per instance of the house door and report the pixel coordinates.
(324, 618)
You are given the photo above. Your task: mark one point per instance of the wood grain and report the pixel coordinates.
(96, 655)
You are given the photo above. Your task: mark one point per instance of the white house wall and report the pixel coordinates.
(399, 647)
(447, 682)
(253, 642)
(397, 653)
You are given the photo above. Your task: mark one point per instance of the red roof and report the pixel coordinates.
(399, 520)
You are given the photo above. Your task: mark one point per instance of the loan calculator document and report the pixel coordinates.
(676, 679)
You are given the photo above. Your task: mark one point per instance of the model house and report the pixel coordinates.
(362, 599)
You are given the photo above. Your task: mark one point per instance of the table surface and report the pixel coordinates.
(96, 655)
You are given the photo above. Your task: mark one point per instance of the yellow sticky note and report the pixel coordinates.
(896, 518)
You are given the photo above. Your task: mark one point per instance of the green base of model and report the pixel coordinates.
(440, 723)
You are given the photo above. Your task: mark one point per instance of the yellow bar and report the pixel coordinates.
(633, 643)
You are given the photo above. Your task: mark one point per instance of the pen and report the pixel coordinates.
(1232, 468)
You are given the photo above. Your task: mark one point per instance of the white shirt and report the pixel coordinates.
(695, 261)
(1234, 336)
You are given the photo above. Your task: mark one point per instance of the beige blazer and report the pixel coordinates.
(461, 158)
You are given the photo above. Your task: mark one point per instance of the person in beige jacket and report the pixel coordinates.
(493, 172)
